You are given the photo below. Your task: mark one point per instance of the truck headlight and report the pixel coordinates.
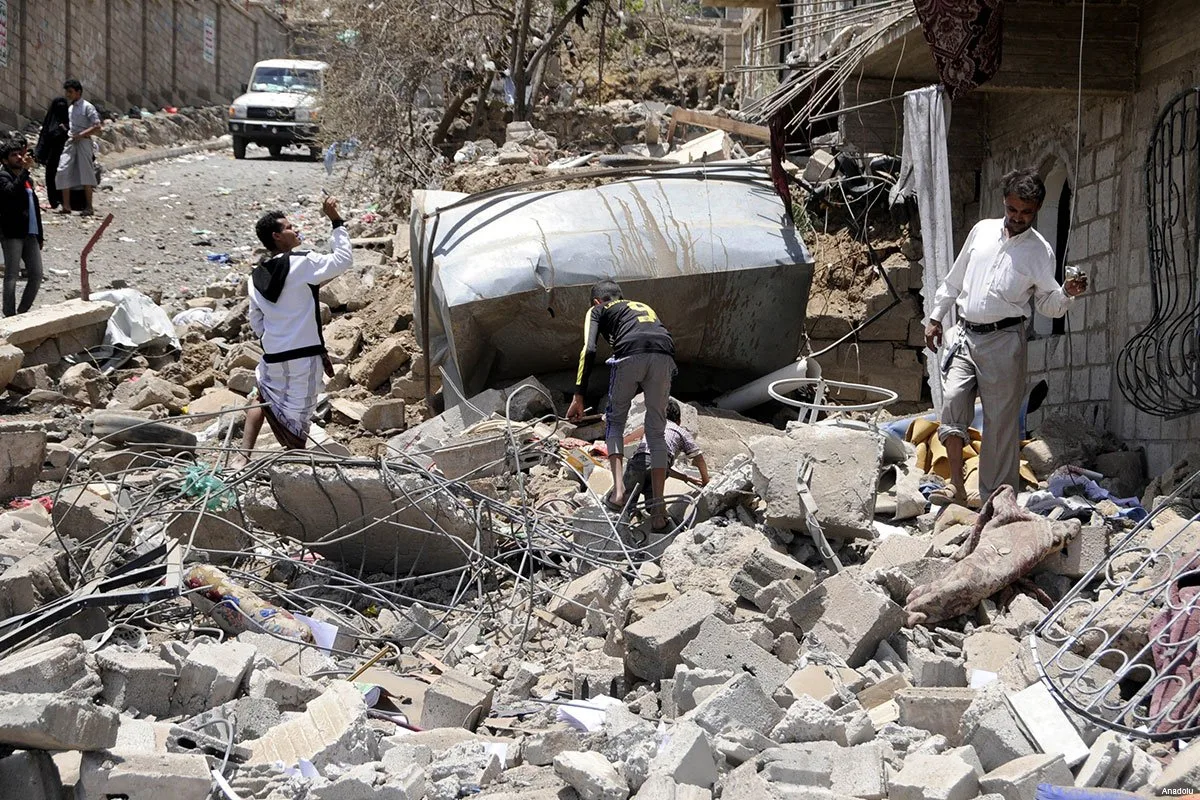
(305, 114)
(237, 112)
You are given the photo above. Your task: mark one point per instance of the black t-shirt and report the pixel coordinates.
(628, 326)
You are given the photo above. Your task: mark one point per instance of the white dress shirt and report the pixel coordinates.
(996, 274)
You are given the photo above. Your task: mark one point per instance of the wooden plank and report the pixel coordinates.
(713, 122)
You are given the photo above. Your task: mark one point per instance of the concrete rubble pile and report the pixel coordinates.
(361, 628)
(438, 606)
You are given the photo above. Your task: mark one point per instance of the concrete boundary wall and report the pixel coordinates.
(149, 53)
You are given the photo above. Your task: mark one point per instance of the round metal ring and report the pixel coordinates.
(773, 389)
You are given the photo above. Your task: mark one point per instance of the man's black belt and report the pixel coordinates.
(992, 327)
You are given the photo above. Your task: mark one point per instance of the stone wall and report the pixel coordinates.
(148, 53)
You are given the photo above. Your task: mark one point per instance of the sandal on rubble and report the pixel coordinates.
(946, 496)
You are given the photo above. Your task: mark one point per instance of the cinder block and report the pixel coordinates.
(934, 777)
(332, 731)
(813, 681)
(934, 669)
(847, 617)
(741, 702)
(994, 734)
(653, 645)
(937, 710)
(764, 567)
(850, 771)
(456, 700)
(719, 647)
(35, 772)
(598, 590)
(140, 681)
(540, 750)
(212, 674)
(1019, 778)
(103, 775)
(687, 757)
(51, 722)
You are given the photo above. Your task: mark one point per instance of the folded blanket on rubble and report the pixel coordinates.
(1005, 544)
(1173, 634)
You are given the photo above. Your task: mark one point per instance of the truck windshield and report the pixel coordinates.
(283, 79)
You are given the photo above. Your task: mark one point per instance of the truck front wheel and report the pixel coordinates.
(239, 147)
(275, 150)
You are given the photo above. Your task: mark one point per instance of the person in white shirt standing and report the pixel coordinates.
(1003, 265)
(286, 314)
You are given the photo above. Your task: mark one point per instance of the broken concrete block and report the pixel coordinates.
(22, 453)
(150, 390)
(540, 749)
(84, 384)
(597, 589)
(332, 731)
(385, 415)
(456, 700)
(660, 787)
(34, 580)
(471, 762)
(763, 568)
(35, 773)
(813, 681)
(1144, 769)
(140, 681)
(728, 488)
(896, 550)
(1107, 760)
(934, 777)
(287, 654)
(401, 525)
(1087, 549)
(809, 720)
(593, 673)
(937, 710)
(372, 782)
(69, 317)
(653, 645)
(343, 338)
(476, 456)
(591, 775)
(989, 726)
(1039, 714)
(848, 617)
(288, 691)
(988, 651)
(719, 647)
(103, 775)
(691, 686)
(11, 358)
(60, 666)
(934, 669)
(687, 757)
(849, 771)
(211, 675)
(846, 465)
(1019, 778)
(410, 625)
(51, 722)
(741, 702)
(377, 364)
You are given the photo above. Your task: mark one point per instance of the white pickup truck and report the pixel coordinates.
(278, 107)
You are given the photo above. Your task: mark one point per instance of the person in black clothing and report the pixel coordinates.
(20, 225)
(643, 357)
(51, 142)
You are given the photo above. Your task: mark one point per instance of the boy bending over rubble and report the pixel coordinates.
(286, 315)
(643, 357)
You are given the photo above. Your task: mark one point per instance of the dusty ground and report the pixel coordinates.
(170, 215)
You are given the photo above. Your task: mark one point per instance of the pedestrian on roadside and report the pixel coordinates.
(643, 357)
(1003, 265)
(285, 313)
(20, 225)
(77, 164)
(53, 138)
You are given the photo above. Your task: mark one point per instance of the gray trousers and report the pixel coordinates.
(16, 251)
(994, 365)
(651, 372)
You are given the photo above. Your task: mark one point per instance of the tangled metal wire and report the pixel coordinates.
(509, 544)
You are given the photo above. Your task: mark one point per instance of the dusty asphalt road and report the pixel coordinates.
(169, 215)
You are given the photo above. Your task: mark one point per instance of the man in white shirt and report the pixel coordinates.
(1002, 266)
(286, 314)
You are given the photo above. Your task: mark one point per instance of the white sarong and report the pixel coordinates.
(290, 388)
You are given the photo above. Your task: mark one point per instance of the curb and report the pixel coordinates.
(161, 155)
